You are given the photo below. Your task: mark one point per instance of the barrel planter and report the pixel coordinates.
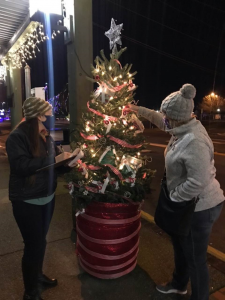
(108, 239)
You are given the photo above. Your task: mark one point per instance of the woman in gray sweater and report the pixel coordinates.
(189, 161)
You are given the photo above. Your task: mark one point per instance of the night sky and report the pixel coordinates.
(169, 43)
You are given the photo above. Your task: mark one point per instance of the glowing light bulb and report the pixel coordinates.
(97, 70)
(120, 108)
(132, 161)
(121, 76)
(118, 158)
(103, 73)
(93, 155)
(125, 82)
(111, 98)
(58, 31)
(138, 153)
(115, 79)
(131, 127)
(110, 68)
(92, 150)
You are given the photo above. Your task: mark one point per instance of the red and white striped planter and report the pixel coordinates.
(108, 239)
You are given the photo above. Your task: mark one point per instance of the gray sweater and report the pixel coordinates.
(189, 162)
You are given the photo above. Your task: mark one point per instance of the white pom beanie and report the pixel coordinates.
(179, 105)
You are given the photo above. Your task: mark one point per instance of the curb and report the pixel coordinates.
(214, 252)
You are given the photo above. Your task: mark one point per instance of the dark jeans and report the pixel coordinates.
(33, 221)
(190, 254)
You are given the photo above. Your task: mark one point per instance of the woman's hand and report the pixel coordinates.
(63, 156)
(132, 107)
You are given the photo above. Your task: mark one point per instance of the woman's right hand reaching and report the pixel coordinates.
(132, 107)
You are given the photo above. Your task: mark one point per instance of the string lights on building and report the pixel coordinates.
(27, 46)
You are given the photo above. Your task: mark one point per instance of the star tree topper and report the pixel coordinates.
(114, 35)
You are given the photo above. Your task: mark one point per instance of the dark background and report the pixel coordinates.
(170, 42)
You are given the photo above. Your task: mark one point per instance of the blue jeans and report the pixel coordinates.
(190, 254)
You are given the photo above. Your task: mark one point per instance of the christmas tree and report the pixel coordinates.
(109, 165)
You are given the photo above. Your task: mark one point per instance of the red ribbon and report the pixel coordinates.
(108, 257)
(115, 171)
(92, 189)
(110, 118)
(118, 63)
(123, 143)
(93, 168)
(109, 242)
(120, 87)
(110, 221)
(89, 137)
(109, 276)
(110, 268)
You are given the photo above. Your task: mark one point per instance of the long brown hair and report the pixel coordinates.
(31, 129)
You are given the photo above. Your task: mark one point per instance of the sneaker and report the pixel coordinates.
(169, 289)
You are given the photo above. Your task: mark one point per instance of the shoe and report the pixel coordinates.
(169, 289)
(30, 297)
(47, 282)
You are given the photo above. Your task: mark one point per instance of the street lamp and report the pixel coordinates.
(212, 97)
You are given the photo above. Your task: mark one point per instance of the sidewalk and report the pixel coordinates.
(155, 260)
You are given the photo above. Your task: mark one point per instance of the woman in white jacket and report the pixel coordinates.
(189, 162)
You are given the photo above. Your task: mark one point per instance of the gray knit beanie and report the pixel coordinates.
(34, 107)
(179, 105)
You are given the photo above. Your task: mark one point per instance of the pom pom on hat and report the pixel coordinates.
(188, 91)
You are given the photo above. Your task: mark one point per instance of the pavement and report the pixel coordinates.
(155, 259)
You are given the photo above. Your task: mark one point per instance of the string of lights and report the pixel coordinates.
(29, 45)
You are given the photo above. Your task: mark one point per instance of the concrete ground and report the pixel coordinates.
(155, 260)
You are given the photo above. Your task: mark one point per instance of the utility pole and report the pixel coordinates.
(79, 56)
